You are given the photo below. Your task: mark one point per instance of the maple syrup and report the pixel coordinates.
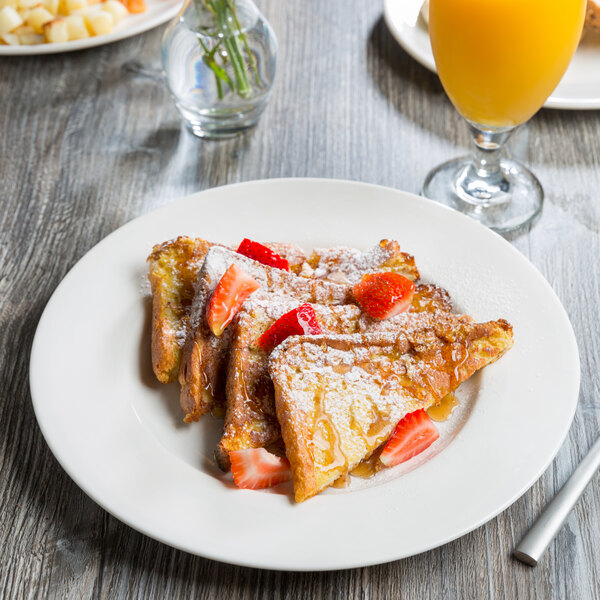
(367, 468)
(367, 366)
(207, 388)
(376, 427)
(342, 482)
(242, 379)
(443, 410)
(326, 437)
(459, 356)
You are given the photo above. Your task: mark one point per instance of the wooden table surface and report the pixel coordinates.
(91, 140)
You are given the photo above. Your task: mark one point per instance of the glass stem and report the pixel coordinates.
(483, 181)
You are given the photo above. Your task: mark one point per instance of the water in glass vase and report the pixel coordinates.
(220, 58)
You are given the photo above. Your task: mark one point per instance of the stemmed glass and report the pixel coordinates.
(498, 61)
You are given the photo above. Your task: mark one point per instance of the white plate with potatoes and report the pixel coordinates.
(52, 26)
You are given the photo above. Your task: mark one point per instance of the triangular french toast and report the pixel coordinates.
(339, 398)
(347, 265)
(173, 269)
(250, 419)
(203, 366)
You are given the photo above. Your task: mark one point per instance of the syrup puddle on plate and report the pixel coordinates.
(442, 411)
(371, 466)
(449, 416)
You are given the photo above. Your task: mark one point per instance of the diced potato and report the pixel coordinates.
(31, 39)
(9, 19)
(56, 31)
(99, 22)
(76, 28)
(56, 21)
(70, 6)
(12, 3)
(24, 4)
(116, 9)
(38, 17)
(51, 5)
(24, 12)
(12, 39)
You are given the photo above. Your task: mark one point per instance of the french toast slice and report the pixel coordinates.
(347, 265)
(592, 15)
(250, 419)
(339, 398)
(174, 267)
(203, 366)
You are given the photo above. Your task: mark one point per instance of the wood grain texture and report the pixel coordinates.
(91, 140)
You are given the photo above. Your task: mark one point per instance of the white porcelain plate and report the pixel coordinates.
(579, 89)
(157, 12)
(119, 435)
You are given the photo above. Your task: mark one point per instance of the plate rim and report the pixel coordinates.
(425, 58)
(138, 27)
(131, 522)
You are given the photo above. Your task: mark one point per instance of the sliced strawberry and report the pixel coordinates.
(383, 295)
(229, 295)
(299, 321)
(413, 434)
(262, 254)
(256, 468)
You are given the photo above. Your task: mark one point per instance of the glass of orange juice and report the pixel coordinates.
(498, 61)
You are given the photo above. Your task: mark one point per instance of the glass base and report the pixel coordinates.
(506, 203)
(221, 123)
(207, 133)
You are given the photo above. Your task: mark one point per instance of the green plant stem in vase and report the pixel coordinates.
(237, 51)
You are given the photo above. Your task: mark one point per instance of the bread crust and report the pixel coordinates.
(250, 419)
(592, 15)
(203, 368)
(391, 375)
(173, 268)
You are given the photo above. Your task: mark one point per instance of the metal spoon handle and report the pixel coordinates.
(536, 540)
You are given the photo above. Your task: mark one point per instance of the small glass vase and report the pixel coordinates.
(220, 58)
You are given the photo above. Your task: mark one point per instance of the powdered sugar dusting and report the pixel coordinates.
(274, 305)
(144, 285)
(219, 259)
(348, 265)
(349, 399)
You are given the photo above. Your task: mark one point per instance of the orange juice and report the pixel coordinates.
(499, 60)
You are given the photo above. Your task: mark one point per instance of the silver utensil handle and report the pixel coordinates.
(536, 540)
